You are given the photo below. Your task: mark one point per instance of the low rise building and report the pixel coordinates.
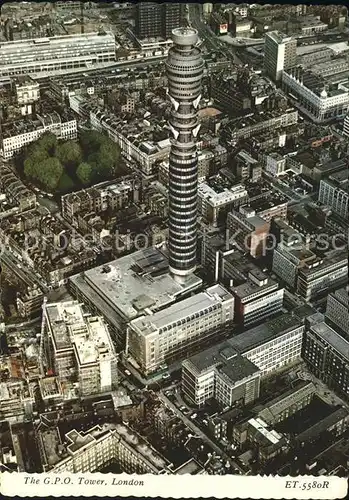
(99, 447)
(180, 329)
(14, 189)
(29, 302)
(247, 167)
(254, 124)
(107, 196)
(16, 401)
(306, 89)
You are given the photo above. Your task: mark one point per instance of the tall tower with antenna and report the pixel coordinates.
(184, 72)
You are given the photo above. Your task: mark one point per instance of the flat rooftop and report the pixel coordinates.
(342, 296)
(134, 283)
(70, 326)
(332, 338)
(195, 304)
(250, 288)
(244, 342)
(59, 316)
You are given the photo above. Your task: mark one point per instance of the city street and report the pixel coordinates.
(198, 432)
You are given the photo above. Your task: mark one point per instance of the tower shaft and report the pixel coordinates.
(184, 72)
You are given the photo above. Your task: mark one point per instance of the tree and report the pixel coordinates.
(109, 157)
(69, 153)
(50, 172)
(31, 168)
(66, 183)
(91, 141)
(85, 173)
(48, 142)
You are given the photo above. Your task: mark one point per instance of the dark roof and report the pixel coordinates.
(237, 368)
(332, 338)
(244, 342)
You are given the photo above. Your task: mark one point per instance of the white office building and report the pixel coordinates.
(81, 348)
(276, 164)
(231, 370)
(306, 91)
(280, 53)
(170, 334)
(334, 193)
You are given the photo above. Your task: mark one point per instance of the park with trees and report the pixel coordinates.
(62, 166)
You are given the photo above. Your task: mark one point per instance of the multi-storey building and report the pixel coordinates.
(346, 125)
(280, 53)
(148, 20)
(307, 90)
(18, 134)
(337, 312)
(334, 193)
(79, 348)
(155, 20)
(317, 279)
(275, 164)
(171, 18)
(128, 287)
(268, 347)
(248, 230)
(179, 329)
(56, 53)
(101, 197)
(214, 205)
(327, 355)
(288, 258)
(102, 446)
(224, 375)
(257, 299)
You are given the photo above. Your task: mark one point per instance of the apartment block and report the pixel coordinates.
(180, 329)
(21, 133)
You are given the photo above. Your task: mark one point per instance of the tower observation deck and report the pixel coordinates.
(184, 72)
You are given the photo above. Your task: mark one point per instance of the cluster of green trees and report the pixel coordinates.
(60, 166)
